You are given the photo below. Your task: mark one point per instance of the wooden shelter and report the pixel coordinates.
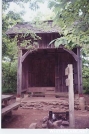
(45, 66)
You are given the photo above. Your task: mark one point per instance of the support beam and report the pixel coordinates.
(56, 73)
(19, 73)
(27, 77)
(79, 67)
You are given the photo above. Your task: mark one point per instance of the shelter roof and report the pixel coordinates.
(37, 27)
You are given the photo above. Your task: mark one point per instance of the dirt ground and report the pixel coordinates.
(22, 118)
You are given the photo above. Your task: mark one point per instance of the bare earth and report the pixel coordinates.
(22, 118)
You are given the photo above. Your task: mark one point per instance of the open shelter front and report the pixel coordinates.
(45, 66)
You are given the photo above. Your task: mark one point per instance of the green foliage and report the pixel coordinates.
(59, 41)
(39, 16)
(9, 76)
(86, 91)
(9, 49)
(9, 45)
(73, 17)
(33, 4)
(86, 74)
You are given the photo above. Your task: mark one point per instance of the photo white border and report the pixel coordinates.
(31, 131)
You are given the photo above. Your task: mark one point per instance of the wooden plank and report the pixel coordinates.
(40, 89)
(8, 108)
(62, 94)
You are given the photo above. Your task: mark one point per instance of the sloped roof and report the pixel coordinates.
(41, 27)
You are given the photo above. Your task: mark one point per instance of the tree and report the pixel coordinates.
(73, 18)
(33, 4)
(9, 47)
(9, 53)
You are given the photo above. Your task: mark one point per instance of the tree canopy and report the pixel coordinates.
(73, 17)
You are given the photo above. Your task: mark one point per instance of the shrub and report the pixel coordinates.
(9, 77)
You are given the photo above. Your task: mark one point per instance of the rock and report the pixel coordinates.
(76, 103)
(76, 107)
(27, 107)
(66, 108)
(18, 99)
(50, 124)
(55, 109)
(24, 102)
(45, 118)
(39, 106)
(23, 107)
(87, 108)
(30, 105)
(57, 123)
(33, 125)
(66, 104)
(44, 125)
(62, 107)
(55, 103)
(44, 103)
(34, 108)
(61, 127)
(65, 123)
(54, 106)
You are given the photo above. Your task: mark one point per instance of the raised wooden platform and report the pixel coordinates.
(45, 92)
(40, 89)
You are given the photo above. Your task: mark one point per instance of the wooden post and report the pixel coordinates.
(56, 73)
(81, 86)
(71, 97)
(19, 73)
(69, 83)
(79, 67)
(26, 77)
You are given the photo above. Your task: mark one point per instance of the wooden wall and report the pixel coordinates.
(41, 71)
(46, 38)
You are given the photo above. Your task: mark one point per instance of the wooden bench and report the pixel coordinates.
(9, 108)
